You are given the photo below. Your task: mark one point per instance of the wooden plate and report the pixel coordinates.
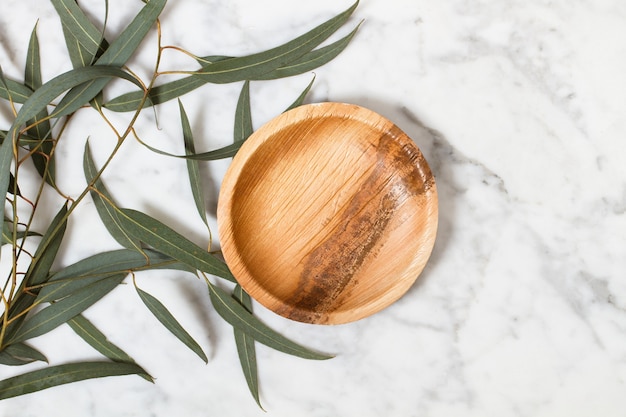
(327, 214)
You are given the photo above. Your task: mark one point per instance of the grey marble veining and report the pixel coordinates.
(519, 108)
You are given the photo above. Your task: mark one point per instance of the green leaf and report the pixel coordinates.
(227, 151)
(38, 269)
(12, 90)
(20, 354)
(105, 204)
(63, 374)
(250, 67)
(96, 339)
(314, 59)
(85, 38)
(172, 243)
(7, 233)
(245, 347)
(46, 253)
(32, 73)
(43, 159)
(240, 318)
(105, 265)
(298, 101)
(169, 321)
(193, 169)
(243, 116)
(44, 95)
(120, 50)
(60, 312)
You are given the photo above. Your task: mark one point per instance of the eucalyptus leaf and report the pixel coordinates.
(300, 99)
(240, 318)
(63, 374)
(7, 233)
(251, 67)
(193, 169)
(32, 73)
(229, 151)
(24, 140)
(245, 347)
(12, 90)
(103, 201)
(38, 270)
(312, 60)
(169, 321)
(41, 130)
(20, 354)
(104, 265)
(60, 312)
(96, 339)
(82, 31)
(166, 240)
(243, 116)
(44, 95)
(120, 50)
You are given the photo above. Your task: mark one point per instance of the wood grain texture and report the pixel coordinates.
(328, 213)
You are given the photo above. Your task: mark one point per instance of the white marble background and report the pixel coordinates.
(520, 108)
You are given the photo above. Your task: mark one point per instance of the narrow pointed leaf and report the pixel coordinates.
(106, 211)
(20, 354)
(105, 265)
(46, 253)
(38, 270)
(314, 59)
(250, 67)
(240, 318)
(60, 312)
(116, 54)
(246, 349)
(96, 339)
(298, 101)
(79, 55)
(32, 72)
(169, 321)
(193, 169)
(227, 151)
(63, 374)
(86, 38)
(40, 99)
(243, 115)
(7, 233)
(43, 158)
(41, 130)
(12, 90)
(166, 240)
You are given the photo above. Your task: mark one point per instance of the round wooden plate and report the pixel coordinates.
(327, 214)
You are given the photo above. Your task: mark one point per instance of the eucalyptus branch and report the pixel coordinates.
(38, 300)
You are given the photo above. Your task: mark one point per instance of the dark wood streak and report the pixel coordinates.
(400, 173)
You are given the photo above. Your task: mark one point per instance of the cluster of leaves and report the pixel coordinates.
(36, 299)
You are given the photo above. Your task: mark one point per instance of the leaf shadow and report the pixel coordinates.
(198, 302)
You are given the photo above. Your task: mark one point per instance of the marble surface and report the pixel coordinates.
(519, 108)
